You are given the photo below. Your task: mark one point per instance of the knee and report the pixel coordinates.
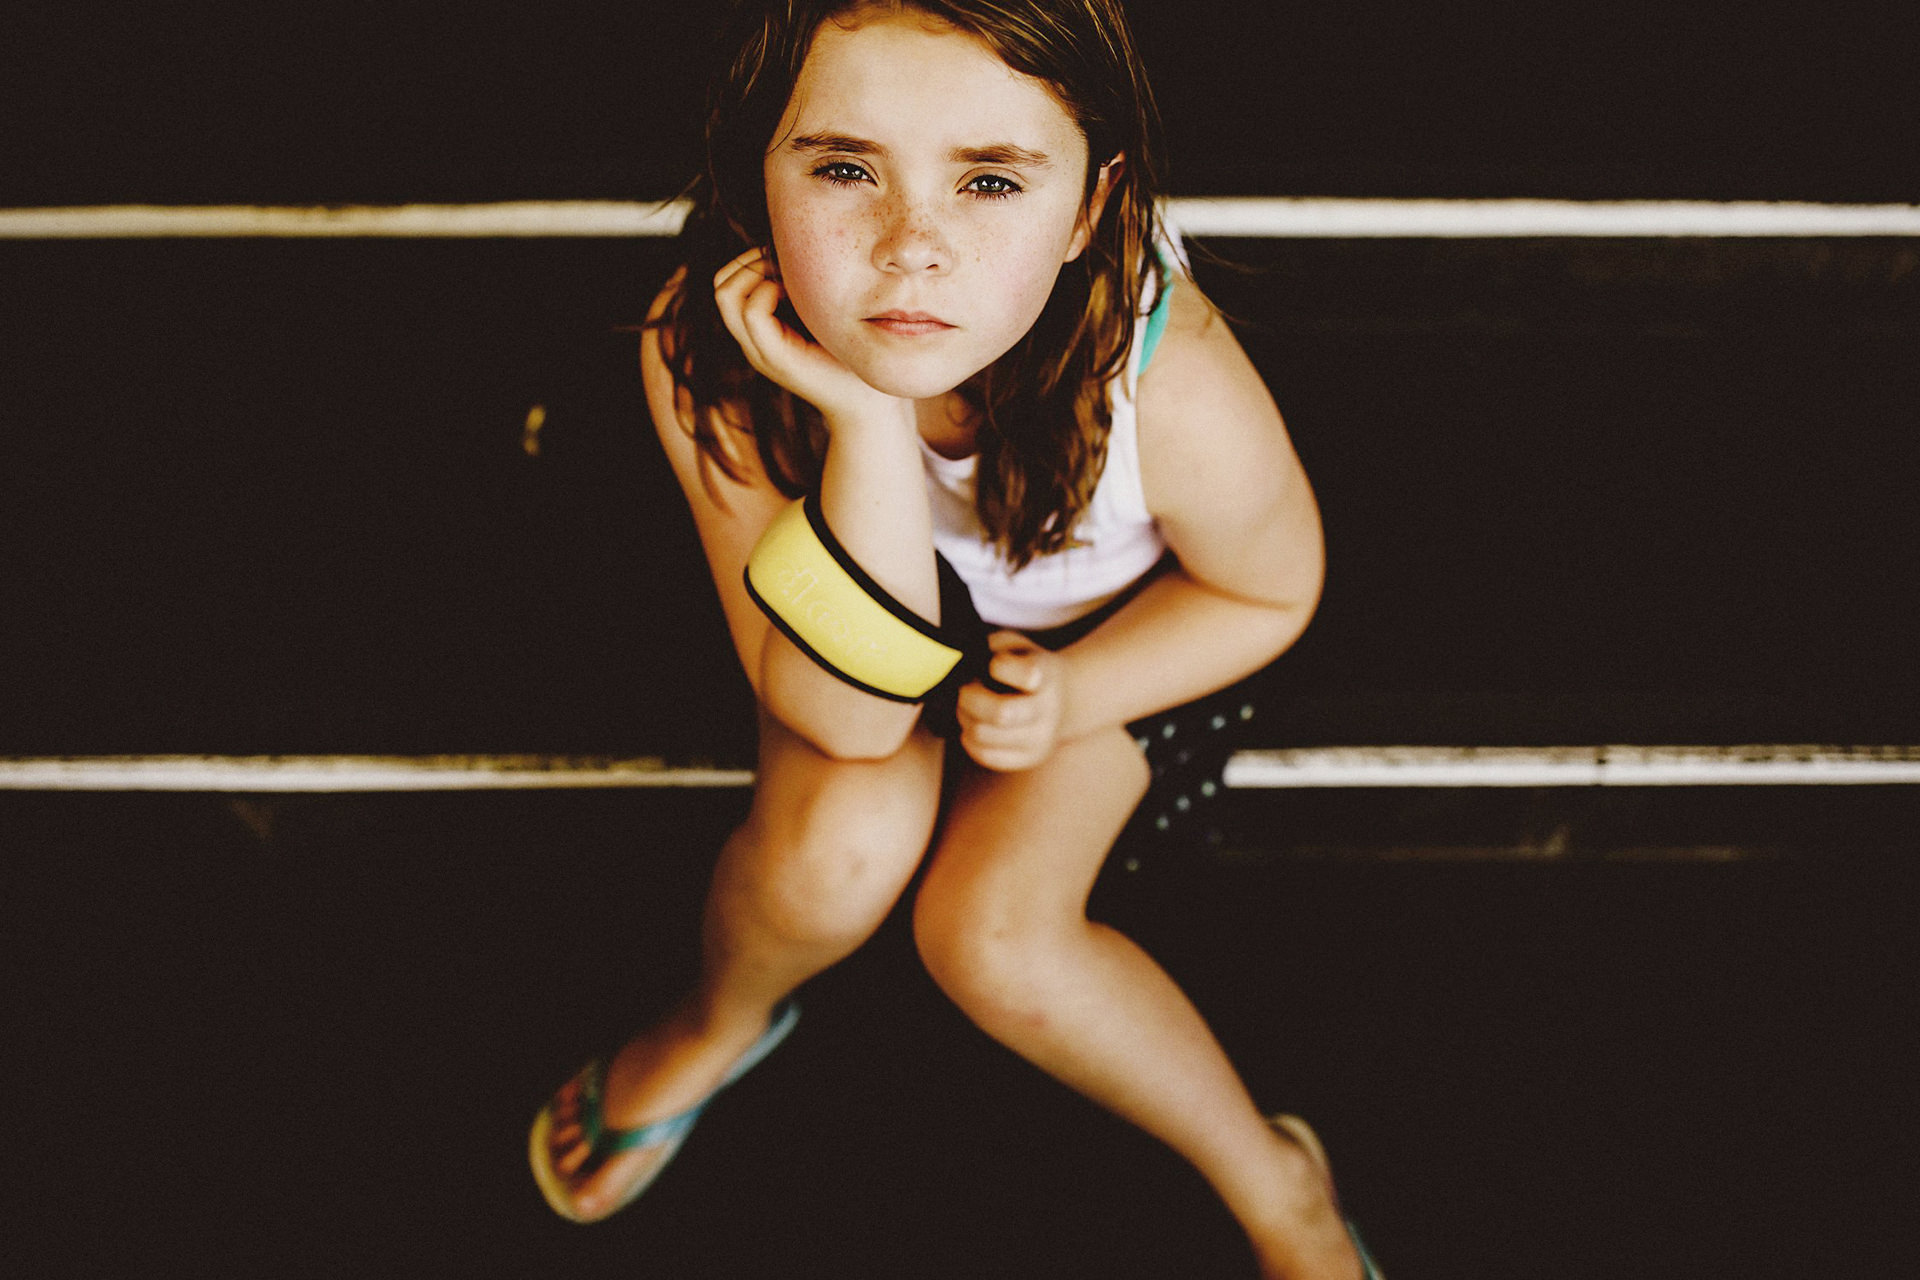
(827, 869)
(987, 951)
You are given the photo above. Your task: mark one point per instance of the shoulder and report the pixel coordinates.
(1217, 467)
(1205, 415)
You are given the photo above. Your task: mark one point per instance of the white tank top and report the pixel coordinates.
(1115, 540)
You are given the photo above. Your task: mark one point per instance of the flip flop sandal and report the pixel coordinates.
(604, 1142)
(1297, 1129)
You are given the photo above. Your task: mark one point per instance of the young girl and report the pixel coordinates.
(925, 289)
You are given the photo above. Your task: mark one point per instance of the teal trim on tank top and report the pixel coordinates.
(1157, 318)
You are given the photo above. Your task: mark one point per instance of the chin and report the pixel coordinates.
(911, 380)
(923, 388)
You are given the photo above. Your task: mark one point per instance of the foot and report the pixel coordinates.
(657, 1076)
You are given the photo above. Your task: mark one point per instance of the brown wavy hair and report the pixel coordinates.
(1043, 407)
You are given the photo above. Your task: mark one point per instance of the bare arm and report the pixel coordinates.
(1222, 479)
(869, 508)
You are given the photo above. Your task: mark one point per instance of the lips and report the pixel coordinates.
(908, 323)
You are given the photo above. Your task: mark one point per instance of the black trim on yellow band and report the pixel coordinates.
(800, 643)
(862, 579)
(833, 611)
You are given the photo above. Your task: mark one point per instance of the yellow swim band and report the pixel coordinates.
(812, 590)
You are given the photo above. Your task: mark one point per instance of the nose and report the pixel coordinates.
(911, 240)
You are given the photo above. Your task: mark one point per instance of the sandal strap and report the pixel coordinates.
(1366, 1257)
(605, 1142)
(674, 1126)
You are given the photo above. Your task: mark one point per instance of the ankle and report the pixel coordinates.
(1293, 1188)
(1291, 1218)
(705, 1020)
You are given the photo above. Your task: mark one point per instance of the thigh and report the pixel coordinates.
(1034, 840)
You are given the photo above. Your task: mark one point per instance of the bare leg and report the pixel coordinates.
(822, 857)
(1001, 922)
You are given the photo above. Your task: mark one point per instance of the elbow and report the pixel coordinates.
(1299, 615)
(1307, 603)
(834, 718)
(1302, 595)
(861, 743)
(1291, 608)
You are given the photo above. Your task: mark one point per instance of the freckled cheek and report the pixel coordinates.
(1027, 272)
(814, 254)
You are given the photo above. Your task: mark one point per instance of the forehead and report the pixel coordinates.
(899, 78)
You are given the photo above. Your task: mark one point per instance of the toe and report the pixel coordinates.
(596, 1195)
(567, 1150)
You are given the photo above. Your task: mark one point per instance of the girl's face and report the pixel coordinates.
(923, 197)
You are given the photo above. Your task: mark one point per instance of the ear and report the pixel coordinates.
(1096, 203)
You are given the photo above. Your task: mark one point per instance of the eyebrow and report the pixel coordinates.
(1001, 153)
(992, 153)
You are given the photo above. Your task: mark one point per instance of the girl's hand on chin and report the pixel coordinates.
(747, 291)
